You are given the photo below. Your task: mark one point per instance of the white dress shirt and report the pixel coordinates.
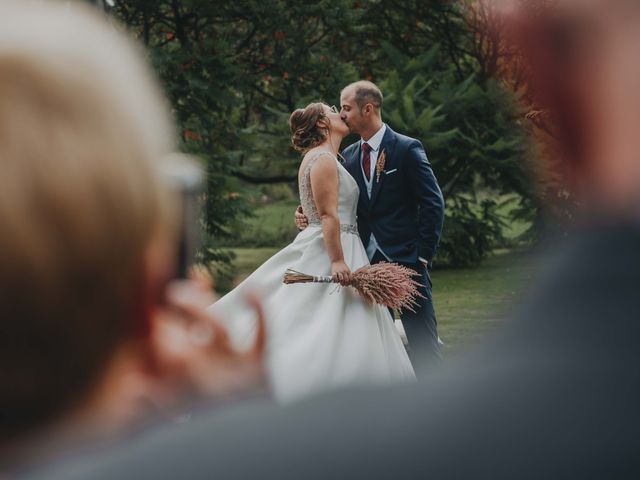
(374, 142)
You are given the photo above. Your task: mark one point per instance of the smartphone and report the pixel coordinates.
(184, 175)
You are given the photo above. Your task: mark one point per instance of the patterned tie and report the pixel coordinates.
(366, 160)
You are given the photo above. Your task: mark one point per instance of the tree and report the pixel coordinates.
(474, 145)
(234, 71)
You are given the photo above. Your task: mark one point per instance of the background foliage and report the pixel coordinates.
(235, 70)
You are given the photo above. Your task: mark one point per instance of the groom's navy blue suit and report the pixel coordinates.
(405, 214)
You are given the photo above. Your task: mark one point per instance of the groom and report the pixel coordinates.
(400, 209)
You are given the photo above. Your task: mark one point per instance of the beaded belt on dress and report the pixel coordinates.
(344, 227)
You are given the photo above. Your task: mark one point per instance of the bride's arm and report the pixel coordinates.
(324, 187)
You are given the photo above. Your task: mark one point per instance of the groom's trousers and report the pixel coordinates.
(420, 326)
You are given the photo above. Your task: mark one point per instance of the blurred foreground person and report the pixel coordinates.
(556, 394)
(92, 329)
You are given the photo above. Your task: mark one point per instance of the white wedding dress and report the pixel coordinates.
(319, 336)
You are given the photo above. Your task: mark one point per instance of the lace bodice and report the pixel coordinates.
(348, 193)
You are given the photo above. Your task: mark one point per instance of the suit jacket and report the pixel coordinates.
(406, 208)
(555, 395)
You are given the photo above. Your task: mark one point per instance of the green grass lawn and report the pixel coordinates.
(472, 302)
(469, 302)
(271, 224)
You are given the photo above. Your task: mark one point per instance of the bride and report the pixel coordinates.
(320, 336)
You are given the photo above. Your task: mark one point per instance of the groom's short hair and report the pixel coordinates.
(366, 92)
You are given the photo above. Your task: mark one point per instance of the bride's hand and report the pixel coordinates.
(341, 272)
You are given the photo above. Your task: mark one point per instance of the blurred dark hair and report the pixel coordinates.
(553, 46)
(305, 132)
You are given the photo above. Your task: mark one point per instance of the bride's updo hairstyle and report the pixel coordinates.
(305, 132)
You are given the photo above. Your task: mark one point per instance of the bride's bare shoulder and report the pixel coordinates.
(318, 155)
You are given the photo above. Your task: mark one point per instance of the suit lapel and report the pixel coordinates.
(387, 146)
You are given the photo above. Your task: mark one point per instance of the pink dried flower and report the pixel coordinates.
(384, 283)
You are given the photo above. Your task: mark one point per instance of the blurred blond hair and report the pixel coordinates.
(83, 131)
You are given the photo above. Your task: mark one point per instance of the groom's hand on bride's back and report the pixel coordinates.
(301, 220)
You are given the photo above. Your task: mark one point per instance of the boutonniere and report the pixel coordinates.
(380, 164)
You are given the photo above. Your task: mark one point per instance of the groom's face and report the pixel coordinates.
(350, 112)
